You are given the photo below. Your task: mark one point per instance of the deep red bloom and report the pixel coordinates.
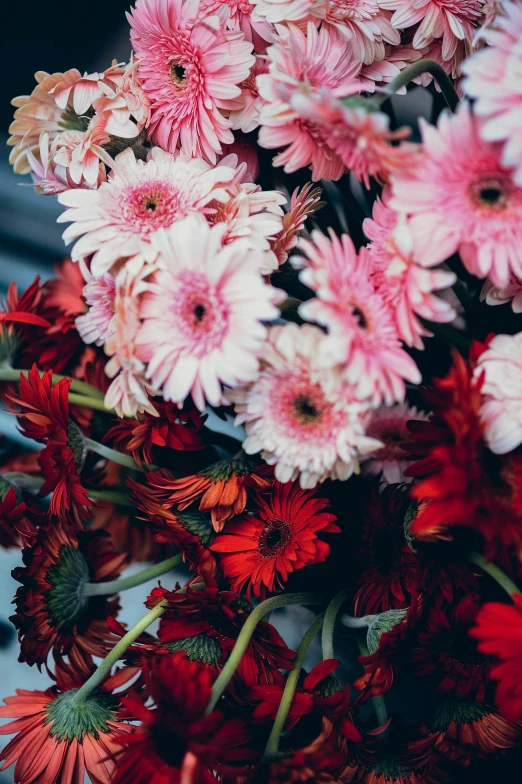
(18, 517)
(52, 612)
(176, 742)
(44, 416)
(499, 632)
(262, 548)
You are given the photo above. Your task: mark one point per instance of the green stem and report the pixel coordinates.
(231, 665)
(494, 572)
(88, 402)
(116, 586)
(291, 684)
(358, 623)
(13, 374)
(119, 649)
(417, 69)
(330, 618)
(112, 454)
(112, 497)
(28, 482)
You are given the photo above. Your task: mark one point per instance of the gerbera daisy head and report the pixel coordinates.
(53, 612)
(304, 418)
(389, 425)
(461, 198)
(303, 64)
(239, 16)
(406, 285)
(96, 325)
(260, 550)
(203, 312)
(119, 218)
(362, 337)
(501, 367)
(189, 70)
(365, 25)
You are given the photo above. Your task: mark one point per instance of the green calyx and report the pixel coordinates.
(224, 469)
(409, 517)
(456, 712)
(384, 622)
(71, 719)
(74, 122)
(328, 686)
(389, 768)
(66, 601)
(5, 486)
(197, 524)
(199, 648)
(118, 144)
(9, 347)
(77, 444)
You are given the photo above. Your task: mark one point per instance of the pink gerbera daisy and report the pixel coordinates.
(461, 198)
(366, 26)
(298, 63)
(493, 78)
(402, 282)
(303, 418)
(388, 424)
(362, 337)
(203, 313)
(96, 325)
(118, 219)
(189, 68)
(238, 16)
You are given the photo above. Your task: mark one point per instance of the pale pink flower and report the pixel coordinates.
(238, 16)
(362, 336)
(501, 412)
(402, 282)
(382, 72)
(302, 64)
(203, 312)
(451, 20)
(388, 425)
(493, 78)
(365, 25)
(246, 117)
(494, 295)
(127, 103)
(189, 70)
(305, 420)
(49, 178)
(289, 10)
(303, 203)
(97, 324)
(118, 219)
(78, 152)
(461, 198)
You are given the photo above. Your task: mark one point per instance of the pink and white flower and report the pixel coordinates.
(402, 282)
(501, 412)
(97, 324)
(302, 64)
(462, 198)
(362, 336)
(305, 420)
(365, 25)
(203, 313)
(493, 79)
(119, 218)
(238, 16)
(388, 425)
(190, 68)
(494, 295)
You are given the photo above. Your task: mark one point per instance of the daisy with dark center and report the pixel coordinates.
(261, 549)
(53, 612)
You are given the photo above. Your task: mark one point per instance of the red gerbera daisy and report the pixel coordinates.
(499, 631)
(221, 488)
(52, 611)
(44, 416)
(262, 548)
(176, 742)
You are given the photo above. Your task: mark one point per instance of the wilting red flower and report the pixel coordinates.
(221, 488)
(463, 483)
(52, 611)
(262, 548)
(58, 741)
(444, 648)
(391, 574)
(499, 632)
(44, 416)
(17, 517)
(220, 615)
(176, 742)
(178, 430)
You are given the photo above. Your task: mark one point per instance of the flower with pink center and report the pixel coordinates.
(97, 324)
(203, 313)
(451, 20)
(461, 198)
(362, 337)
(303, 203)
(494, 295)
(303, 64)
(403, 283)
(365, 25)
(305, 420)
(493, 79)
(189, 70)
(119, 219)
(501, 411)
(388, 425)
(238, 16)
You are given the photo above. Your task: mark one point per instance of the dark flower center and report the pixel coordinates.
(151, 205)
(66, 601)
(305, 409)
(274, 537)
(169, 747)
(491, 192)
(177, 73)
(70, 720)
(359, 314)
(199, 312)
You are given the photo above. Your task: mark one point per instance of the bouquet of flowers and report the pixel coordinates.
(293, 394)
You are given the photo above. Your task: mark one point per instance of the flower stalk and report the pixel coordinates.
(330, 618)
(414, 70)
(495, 572)
(81, 387)
(123, 584)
